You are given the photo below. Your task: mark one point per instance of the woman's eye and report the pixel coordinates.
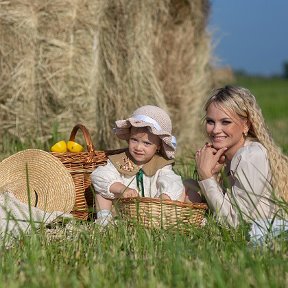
(226, 122)
(210, 122)
(147, 143)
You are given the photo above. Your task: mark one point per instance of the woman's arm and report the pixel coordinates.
(251, 175)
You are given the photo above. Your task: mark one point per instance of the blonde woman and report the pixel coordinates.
(241, 170)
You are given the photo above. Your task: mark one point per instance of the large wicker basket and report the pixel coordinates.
(81, 165)
(166, 214)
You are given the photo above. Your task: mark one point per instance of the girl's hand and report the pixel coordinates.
(164, 196)
(128, 193)
(209, 161)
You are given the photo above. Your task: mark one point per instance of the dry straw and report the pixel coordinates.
(36, 177)
(95, 61)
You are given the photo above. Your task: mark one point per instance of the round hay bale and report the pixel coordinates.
(95, 61)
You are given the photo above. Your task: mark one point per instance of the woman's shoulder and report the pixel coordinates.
(252, 151)
(252, 148)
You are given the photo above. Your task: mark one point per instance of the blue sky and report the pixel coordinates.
(250, 35)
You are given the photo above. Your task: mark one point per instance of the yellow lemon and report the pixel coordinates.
(59, 147)
(74, 147)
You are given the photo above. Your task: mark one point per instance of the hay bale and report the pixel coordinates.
(155, 52)
(95, 61)
(183, 54)
(48, 59)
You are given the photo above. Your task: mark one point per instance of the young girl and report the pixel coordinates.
(145, 168)
(255, 169)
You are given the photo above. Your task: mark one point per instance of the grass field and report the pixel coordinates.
(134, 257)
(81, 255)
(272, 97)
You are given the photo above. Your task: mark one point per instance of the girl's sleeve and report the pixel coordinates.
(251, 177)
(103, 177)
(168, 182)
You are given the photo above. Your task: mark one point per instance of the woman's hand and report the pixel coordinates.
(219, 164)
(209, 161)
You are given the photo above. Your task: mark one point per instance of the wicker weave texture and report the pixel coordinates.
(80, 165)
(167, 214)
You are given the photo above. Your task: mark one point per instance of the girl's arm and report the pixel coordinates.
(170, 185)
(120, 190)
(108, 183)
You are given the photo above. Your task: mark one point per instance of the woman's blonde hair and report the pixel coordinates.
(241, 101)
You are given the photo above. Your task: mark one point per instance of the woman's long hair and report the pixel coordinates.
(241, 101)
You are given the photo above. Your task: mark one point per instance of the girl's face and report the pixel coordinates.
(143, 145)
(225, 129)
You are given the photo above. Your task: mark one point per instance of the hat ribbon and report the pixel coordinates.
(155, 124)
(173, 141)
(149, 120)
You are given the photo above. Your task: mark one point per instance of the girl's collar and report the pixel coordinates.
(124, 164)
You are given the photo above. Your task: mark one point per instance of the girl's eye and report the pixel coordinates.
(147, 143)
(133, 140)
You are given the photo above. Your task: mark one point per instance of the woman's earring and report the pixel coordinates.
(245, 133)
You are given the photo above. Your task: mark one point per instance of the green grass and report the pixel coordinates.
(81, 255)
(272, 97)
(135, 257)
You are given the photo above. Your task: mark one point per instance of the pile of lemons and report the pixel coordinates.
(70, 146)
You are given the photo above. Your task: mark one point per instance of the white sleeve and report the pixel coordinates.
(103, 177)
(170, 183)
(251, 177)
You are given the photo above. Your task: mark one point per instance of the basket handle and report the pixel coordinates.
(86, 134)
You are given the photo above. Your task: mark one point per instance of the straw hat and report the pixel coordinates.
(158, 123)
(51, 186)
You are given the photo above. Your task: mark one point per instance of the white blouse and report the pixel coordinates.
(250, 194)
(163, 180)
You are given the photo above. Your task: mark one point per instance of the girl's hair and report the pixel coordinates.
(241, 101)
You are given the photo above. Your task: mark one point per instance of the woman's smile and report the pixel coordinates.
(225, 129)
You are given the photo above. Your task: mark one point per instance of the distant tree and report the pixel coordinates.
(285, 69)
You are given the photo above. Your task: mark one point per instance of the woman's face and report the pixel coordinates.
(225, 129)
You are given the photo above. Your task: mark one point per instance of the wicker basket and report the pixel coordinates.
(156, 213)
(81, 165)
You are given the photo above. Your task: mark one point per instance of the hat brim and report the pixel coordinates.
(37, 177)
(122, 130)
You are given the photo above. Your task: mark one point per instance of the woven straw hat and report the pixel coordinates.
(158, 123)
(50, 184)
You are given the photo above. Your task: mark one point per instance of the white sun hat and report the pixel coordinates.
(158, 123)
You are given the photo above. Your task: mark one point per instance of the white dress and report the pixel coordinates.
(17, 218)
(250, 193)
(158, 177)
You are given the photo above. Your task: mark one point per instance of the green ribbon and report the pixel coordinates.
(140, 184)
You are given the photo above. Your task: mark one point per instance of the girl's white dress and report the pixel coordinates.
(158, 176)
